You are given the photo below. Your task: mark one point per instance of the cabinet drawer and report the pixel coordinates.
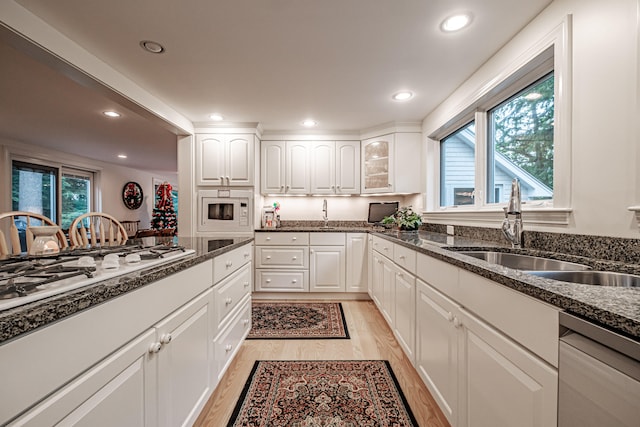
(227, 263)
(322, 238)
(229, 293)
(439, 274)
(226, 344)
(282, 257)
(405, 258)
(383, 246)
(282, 280)
(284, 238)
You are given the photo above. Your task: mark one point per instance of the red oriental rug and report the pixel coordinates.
(353, 393)
(297, 320)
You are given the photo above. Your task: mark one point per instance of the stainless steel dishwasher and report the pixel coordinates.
(599, 376)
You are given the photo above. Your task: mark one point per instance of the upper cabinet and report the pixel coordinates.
(285, 167)
(225, 159)
(391, 163)
(335, 167)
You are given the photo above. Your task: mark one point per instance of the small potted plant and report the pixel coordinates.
(405, 218)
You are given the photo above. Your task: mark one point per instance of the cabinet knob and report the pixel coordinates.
(389, 185)
(229, 263)
(268, 238)
(222, 179)
(268, 281)
(294, 258)
(166, 338)
(457, 323)
(312, 251)
(246, 284)
(245, 322)
(268, 256)
(294, 238)
(228, 301)
(400, 275)
(294, 281)
(246, 254)
(450, 316)
(228, 348)
(155, 347)
(282, 187)
(402, 257)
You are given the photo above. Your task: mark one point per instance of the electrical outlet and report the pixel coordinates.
(450, 230)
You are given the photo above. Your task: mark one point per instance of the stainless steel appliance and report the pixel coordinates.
(225, 211)
(599, 376)
(28, 279)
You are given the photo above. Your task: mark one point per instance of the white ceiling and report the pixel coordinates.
(275, 62)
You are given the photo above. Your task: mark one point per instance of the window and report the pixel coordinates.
(59, 193)
(457, 167)
(520, 143)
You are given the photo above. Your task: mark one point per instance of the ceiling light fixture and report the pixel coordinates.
(111, 114)
(122, 156)
(309, 123)
(402, 96)
(456, 22)
(151, 46)
(216, 117)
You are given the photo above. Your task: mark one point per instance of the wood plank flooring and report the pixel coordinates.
(371, 338)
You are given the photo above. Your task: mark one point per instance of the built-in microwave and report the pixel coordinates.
(225, 211)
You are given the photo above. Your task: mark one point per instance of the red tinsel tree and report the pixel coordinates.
(164, 214)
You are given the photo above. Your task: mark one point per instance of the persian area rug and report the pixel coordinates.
(297, 320)
(344, 393)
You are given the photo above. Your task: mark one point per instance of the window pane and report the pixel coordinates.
(457, 167)
(33, 189)
(520, 144)
(76, 197)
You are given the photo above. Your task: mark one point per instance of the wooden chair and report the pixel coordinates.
(131, 227)
(103, 229)
(13, 245)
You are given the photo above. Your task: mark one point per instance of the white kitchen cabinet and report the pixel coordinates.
(404, 325)
(391, 163)
(437, 347)
(357, 262)
(327, 268)
(370, 261)
(225, 160)
(285, 167)
(376, 279)
(335, 167)
(502, 384)
(227, 344)
(161, 378)
(388, 304)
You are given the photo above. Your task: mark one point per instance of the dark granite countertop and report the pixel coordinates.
(616, 308)
(26, 318)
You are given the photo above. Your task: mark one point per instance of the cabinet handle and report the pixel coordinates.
(246, 254)
(402, 257)
(294, 281)
(281, 187)
(245, 322)
(246, 284)
(228, 301)
(294, 238)
(229, 264)
(228, 348)
(268, 256)
(450, 316)
(389, 185)
(268, 281)
(228, 182)
(268, 238)
(457, 323)
(155, 347)
(400, 275)
(222, 180)
(166, 338)
(312, 251)
(294, 258)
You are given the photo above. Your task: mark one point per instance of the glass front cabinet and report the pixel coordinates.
(377, 167)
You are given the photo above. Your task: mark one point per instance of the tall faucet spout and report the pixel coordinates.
(513, 231)
(325, 215)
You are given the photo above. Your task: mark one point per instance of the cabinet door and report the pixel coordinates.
(347, 167)
(211, 159)
(119, 391)
(370, 265)
(326, 269)
(502, 384)
(323, 167)
(437, 347)
(297, 168)
(405, 309)
(240, 162)
(184, 362)
(377, 164)
(388, 294)
(272, 167)
(357, 255)
(376, 279)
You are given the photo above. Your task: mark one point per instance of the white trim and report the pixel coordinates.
(493, 218)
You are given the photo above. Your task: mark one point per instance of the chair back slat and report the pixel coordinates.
(15, 239)
(103, 229)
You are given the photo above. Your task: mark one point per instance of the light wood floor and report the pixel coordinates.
(371, 338)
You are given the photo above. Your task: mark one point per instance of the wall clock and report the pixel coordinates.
(132, 195)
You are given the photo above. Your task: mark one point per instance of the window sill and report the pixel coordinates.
(494, 217)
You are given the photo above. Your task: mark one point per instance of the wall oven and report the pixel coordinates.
(225, 211)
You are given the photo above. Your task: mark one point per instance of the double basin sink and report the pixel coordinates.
(563, 271)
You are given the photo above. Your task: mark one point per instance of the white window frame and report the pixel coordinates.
(552, 53)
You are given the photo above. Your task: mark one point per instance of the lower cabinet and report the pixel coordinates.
(327, 269)
(161, 378)
(357, 262)
(228, 342)
(404, 298)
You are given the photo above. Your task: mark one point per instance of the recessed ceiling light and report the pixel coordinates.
(533, 96)
(122, 156)
(309, 123)
(151, 46)
(402, 96)
(456, 22)
(111, 114)
(216, 117)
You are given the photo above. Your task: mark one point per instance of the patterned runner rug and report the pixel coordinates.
(297, 320)
(343, 393)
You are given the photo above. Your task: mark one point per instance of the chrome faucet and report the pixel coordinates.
(513, 231)
(325, 215)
